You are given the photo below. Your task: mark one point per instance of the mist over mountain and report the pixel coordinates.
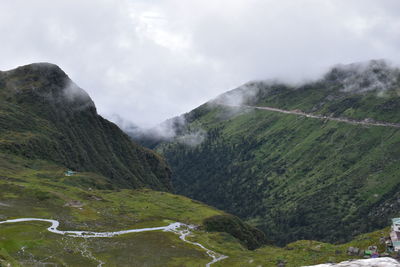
(228, 133)
(44, 115)
(311, 161)
(329, 176)
(348, 82)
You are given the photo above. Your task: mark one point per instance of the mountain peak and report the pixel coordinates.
(51, 118)
(43, 69)
(40, 66)
(43, 82)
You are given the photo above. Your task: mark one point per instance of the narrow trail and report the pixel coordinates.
(181, 229)
(366, 122)
(216, 256)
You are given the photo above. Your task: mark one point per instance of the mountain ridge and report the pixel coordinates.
(296, 177)
(45, 115)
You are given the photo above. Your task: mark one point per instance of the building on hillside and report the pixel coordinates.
(395, 234)
(69, 173)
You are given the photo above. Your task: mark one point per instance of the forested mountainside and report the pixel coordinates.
(297, 177)
(44, 115)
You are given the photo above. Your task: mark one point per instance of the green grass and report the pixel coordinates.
(39, 189)
(303, 252)
(34, 188)
(48, 187)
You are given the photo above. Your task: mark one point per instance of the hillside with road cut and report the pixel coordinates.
(316, 161)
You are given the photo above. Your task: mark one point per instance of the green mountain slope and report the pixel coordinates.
(49, 125)
(39, 189)
(368, 90)
(291, 176)
(44, 115)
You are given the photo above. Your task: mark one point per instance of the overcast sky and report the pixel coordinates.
(149, 60)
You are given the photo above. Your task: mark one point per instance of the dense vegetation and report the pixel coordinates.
(39, 189)
(44, 115)
(296, 177)
(250, 237)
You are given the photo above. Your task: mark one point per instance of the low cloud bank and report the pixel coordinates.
(239, 96)
(374, 75)
(175, 129)
(77, 96)
(380, 76)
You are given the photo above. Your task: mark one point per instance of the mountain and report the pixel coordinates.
(102, 214)
(48, 127)
(313, 161)
(44, 115)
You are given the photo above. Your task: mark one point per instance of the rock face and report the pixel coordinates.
(44, 115)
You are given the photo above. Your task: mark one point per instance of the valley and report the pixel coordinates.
(313, 161)
(305, 177)
(199, 133)
(39, 189)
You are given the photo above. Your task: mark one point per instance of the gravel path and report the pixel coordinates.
(181, 229)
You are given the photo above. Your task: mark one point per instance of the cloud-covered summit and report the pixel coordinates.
(378, 75)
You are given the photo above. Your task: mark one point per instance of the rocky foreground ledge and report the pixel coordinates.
(378, 262)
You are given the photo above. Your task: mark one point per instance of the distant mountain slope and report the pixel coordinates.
(296, 177)
(368, 90)
(44, 115)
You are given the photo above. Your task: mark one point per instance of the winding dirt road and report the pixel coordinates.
(181, 229)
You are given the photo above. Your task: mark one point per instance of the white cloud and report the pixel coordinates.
(148, 60)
